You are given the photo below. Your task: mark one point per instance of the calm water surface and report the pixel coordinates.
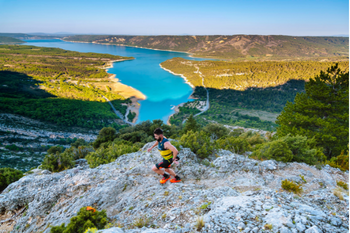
(162, 89)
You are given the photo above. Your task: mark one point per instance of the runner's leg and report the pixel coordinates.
(156, 170)
(170, 171)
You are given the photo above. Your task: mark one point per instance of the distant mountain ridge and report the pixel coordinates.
(241, 47)
(25, 36)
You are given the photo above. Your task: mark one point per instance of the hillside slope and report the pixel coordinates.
(233, 194)
(233, 46)
(50, 95)
(24, 36)
(10, 40)
(47, 79)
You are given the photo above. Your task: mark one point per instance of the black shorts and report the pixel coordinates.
(165, 163)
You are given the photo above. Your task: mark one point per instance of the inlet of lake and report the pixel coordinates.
(162, 89)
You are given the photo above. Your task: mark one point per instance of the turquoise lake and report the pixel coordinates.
(161, 88)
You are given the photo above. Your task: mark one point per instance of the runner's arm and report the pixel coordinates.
(167, 145)
(155, 144)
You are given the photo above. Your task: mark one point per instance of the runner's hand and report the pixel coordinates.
(149, 149)
(176, 162)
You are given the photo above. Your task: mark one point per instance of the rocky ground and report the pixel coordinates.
(24, 141)
(228, 193)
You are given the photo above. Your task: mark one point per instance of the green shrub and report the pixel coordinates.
(235, 144)
(58, 162)
(216, 130)
(236, 132)
(106, 134)
(204, 206)
(338, 194)
(91, 230)
(55, 149)
(177, 144)
(253, 138)
(84, 220)
(198, 142)
(304, 149)
(342, 184)
(79, 152)
(302, 177)
(136, 136)
(277, 150)
(112, 152)
(9, 175)
(290, 148)
(290, 186)
(141, 222)
(199, 223)
(79, 142)
(13, 147)
(341, 161)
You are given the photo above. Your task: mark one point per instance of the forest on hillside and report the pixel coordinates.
(313, 130)
(234, 47)
(244, 75)
(9, 40)
(248, 94)
(57, 86)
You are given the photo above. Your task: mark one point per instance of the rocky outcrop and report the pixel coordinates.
(232, 193)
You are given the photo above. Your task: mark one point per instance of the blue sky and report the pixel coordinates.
(192, 17)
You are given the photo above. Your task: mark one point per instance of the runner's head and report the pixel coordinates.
(158, 134)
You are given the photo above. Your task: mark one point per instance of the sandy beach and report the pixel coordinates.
(135, 107)
(122, 89)
(125, 90)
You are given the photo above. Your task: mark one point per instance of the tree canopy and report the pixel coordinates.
(321, 112)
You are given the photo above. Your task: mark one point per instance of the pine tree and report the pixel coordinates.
(321, 112)
(191, 124)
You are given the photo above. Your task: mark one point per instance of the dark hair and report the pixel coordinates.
(158, 131)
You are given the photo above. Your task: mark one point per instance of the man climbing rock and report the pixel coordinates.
(169, 154)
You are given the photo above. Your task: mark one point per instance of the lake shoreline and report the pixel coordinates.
(125, 90)
(130, 46)
(176, 109)
(181, 75)
(135, 106)
(190, 97)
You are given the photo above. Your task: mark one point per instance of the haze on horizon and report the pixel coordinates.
(270, 17)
